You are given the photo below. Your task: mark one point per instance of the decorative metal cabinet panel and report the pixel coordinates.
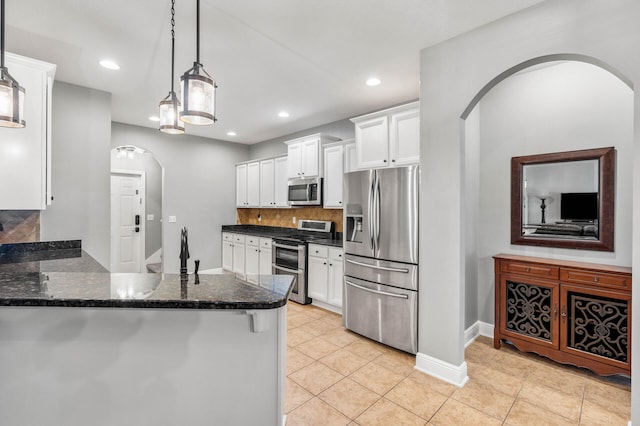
(572, 312)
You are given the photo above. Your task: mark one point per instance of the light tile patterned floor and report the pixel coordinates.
(336, 377)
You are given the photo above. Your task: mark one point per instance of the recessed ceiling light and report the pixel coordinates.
(231, 133)
(283, 114)
(154, 118)
(110, 65)
(373, 81)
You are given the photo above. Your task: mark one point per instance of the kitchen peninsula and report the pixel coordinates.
(79, 345)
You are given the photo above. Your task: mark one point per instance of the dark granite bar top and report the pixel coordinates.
(276, 231)
(42, 276)
(162, 291)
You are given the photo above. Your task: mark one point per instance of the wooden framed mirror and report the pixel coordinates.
(564, 199)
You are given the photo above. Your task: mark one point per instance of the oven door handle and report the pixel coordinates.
(383, 268)
(382, 293)
(297, 248)
(293, 271)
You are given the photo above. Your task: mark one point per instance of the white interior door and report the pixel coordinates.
(127, 224)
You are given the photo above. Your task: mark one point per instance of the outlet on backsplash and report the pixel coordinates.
(287, 218)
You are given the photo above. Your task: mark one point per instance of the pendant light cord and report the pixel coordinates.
(2, 36)
(197, 30)
(173, 40)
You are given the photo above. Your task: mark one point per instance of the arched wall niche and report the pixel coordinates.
(486, 204)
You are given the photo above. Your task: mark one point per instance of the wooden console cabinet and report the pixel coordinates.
(572, 312)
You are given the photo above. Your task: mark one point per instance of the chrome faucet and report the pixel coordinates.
(184, 250)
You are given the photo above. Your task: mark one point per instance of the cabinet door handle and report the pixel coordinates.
(527, 269)
(595, 279)
(564, 313)
(555, 312)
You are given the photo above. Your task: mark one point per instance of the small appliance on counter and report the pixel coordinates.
(289, 254)
(305, 192)
(381, 255)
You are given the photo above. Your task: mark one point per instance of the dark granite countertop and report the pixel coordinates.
(34, 278)
(276, 231)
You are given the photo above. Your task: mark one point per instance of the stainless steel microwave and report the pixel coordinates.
(305, 192)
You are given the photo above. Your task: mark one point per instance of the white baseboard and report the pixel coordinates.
(327, 306)
(478, 329)
(454, 374)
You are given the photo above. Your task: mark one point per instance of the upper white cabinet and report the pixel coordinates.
(248, 184)
(304, 156)
(25, 154)
(267, 183)
(281, 189)
(273, 182)
(388, 138)
(333, 175)
(350, 157)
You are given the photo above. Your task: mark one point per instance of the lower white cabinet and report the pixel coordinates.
(246, 255)
(325, 276)
(265, 256)
(251, 258)
(238, 255)
(227, 251)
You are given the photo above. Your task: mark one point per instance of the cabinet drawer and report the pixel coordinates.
(336, 254)
(595, 278)
(251, 240)
(319, 251)
(265, 243)
(238, 239)
(227, 237)
(530, 269)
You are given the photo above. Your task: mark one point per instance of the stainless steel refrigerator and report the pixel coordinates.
(381, 255)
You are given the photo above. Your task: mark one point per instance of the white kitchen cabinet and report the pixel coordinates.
(350, 157)
(265, 256)
(388, 138)
(267, 183)
(239, 256)
(325, 276)
(227, 251)
(25, 153)
(241, 185)
(251, 258)
(253, 184)
(273, 182)
(333, 175)
(281, 182)
(335, 276)
(248, 184)
(304, 156)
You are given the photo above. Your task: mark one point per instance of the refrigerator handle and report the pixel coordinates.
(370, 213)
(377, 207)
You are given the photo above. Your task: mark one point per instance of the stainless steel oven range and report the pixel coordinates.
(289, 254)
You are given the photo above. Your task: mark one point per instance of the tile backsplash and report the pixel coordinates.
(284, 217)
(19, 226)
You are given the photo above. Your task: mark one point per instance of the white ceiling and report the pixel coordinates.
(309, 57)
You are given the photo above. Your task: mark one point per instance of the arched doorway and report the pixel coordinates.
(137, 188)
(548, 104)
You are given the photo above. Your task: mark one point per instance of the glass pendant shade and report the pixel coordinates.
(169, 110)
(198, 92)
(11, 104)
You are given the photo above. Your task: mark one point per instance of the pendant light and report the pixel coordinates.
(170, 106)
(197, 88)
(11, 94)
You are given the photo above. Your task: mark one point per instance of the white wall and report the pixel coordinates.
(199, 189)
(455, 72)
(81, 137)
